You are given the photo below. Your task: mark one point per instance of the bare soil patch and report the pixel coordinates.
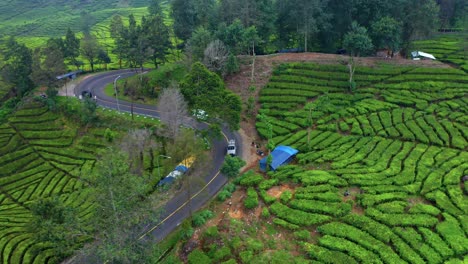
(276, 191)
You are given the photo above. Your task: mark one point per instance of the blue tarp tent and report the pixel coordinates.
(179, 170)
(281, 155)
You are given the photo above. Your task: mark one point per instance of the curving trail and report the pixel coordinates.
(178, 208)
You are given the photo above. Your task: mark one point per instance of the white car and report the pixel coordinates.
(200, 114)
(231, 148)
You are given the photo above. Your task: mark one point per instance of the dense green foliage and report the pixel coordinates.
(400, 142)
(447, 47)
(53, 17)
(205, 90)
(378, 178)
(42, 157)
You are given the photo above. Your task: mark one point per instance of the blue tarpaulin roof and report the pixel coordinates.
(281, 155)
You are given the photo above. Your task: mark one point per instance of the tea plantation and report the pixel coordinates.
(40, 156)
(379, 175)
(447, 47)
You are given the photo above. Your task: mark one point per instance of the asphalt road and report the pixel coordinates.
(178, 208)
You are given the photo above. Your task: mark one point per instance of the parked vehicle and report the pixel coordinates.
(231, 148)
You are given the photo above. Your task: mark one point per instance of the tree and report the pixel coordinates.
(386, 33)
(418, 22)
(72, 48)
(38, 74)
(198, 42)
(205, 13)
(215, 57)
(103, 58)
(233, 36)
(205, 90)
(357, 43)
(121, 211)
(90, 49)
(54, 62)
(300, 20)
(231, 109)
(231, 166)
(132, 89)
(135, 144)
(172, 110)
(88, 111)
(188, 145)
(158, 38)
(183, 13)
(232, 65)
(119, 33)
(17, 67)
(56, 225)
(201, 88)
(251, 38)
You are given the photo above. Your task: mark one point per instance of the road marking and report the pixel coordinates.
(179, 208)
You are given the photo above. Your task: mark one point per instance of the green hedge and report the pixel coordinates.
(326, 255)
(361, 238)
(297, 217)
(340, 244)
(251, 201)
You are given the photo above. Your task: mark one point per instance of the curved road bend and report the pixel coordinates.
(177, 209)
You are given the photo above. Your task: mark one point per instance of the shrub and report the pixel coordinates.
(251, 179)
(251, 201)
(296, 216)
(222, 253)
(197, 256)
(302, 235)
(268, 199)
(211, 231)
(286, 196)
(224, 194)
(109, 135)
(246, 256)
(285, 224)
(265, 212)
(200, 218)
(254, 245)
(231, 166)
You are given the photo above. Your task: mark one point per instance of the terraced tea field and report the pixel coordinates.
(447, 47)
(40, 156)
(397, 147)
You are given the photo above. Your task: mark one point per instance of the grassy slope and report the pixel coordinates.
(43, 154)
(398, 145)
(53, 17)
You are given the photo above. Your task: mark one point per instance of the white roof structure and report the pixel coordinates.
(420, 54)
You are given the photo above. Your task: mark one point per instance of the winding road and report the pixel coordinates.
(178, 208)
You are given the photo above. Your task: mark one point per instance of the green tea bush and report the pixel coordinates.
(200, 218)
(296, 216)
(251, 201)
(286, 196)
(197, 256)
(265, 212)
(302, 235)
(251, 179)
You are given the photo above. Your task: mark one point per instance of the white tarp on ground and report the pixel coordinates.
(419, 54)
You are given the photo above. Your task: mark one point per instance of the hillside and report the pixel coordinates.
(51, 18)
(378, 178)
